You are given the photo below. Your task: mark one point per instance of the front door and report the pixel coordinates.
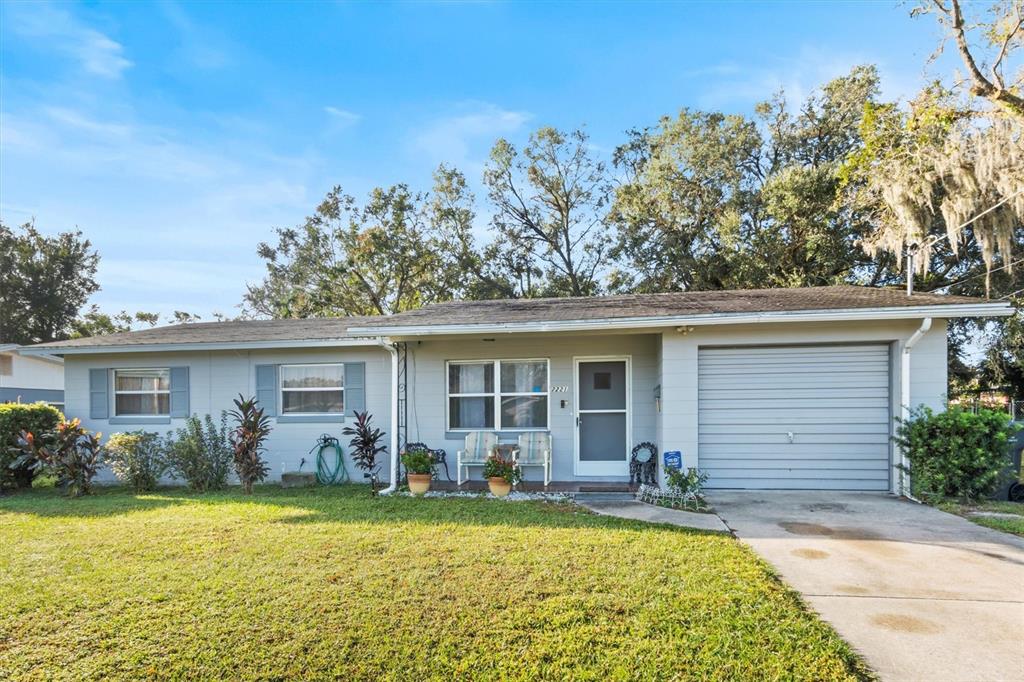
(602, 416)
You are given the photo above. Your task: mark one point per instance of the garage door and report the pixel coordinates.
(798, 417)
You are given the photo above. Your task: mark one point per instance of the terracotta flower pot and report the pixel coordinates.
(419, 483)
(499, 486)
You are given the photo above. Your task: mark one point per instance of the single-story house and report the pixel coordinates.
(32, 378)
(779, 388)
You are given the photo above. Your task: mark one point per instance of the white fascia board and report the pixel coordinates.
(179, 347)
(845, 315)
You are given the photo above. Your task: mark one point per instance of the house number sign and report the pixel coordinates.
(559, 389)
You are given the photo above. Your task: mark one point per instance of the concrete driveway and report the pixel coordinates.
(921, 594)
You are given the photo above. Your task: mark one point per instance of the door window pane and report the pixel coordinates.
(471, 413)
(524, 377)
(524, 412)
(470, 378)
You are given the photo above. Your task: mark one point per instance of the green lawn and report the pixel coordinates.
(1008, 525)
(334, 583)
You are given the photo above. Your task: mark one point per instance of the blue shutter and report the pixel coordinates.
(266, 388)
(355, 387)
(179, 392)
(99, 394)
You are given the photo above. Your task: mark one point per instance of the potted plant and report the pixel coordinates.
(501, 474)
(419, 467)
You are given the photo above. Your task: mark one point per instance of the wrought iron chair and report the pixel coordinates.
(479, 446)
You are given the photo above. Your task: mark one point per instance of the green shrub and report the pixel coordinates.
(418, 460)
(200, 453)
(70, 452)
(690, 484)
(955, 453)
(34, 418)
(137, 459)
(252, 428)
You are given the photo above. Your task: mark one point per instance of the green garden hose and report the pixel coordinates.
(327, 474)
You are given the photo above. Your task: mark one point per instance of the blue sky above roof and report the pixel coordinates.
(178, 135)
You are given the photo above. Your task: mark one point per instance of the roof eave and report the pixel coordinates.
(1000, 309)
(202, 346)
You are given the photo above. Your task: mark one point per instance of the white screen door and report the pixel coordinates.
(602, 417)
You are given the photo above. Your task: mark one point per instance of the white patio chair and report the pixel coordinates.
(535, 450)
(479, 445)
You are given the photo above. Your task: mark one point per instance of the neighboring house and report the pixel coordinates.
(30, 378)
(781, 388)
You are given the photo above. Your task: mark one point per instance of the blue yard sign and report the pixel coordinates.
(673, 459)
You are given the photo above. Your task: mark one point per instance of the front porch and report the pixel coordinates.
(595, 395)
(567, 487)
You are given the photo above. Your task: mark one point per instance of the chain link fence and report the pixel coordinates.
(1017, 410)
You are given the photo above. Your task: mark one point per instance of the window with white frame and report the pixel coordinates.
(142, 392)
(312, 389)
(500, 395)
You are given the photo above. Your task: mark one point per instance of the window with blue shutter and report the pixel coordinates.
(266, 388)
(99, 394)
(355, 387)
(179, 392)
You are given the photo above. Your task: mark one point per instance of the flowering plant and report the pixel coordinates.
(497, 466)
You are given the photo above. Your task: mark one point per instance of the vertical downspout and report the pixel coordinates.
(386, 343)
(926, 324)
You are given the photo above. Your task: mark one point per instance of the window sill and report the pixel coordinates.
(142, 419)
(310, 419)
(508, 434)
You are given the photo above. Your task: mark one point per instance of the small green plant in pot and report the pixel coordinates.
(501, 474)
(419, 466)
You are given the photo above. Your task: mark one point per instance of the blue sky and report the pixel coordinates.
(176, 136)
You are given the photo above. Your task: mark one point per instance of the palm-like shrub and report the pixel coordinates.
(200, 453)
(37, 418)
(365, 446)
(70, 452)
(252, 427)
(136, 458)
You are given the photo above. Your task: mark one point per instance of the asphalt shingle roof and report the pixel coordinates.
(241, 331)
(522, 310)
(660, 305)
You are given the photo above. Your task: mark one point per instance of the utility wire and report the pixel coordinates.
(931, 241)
(980, 274)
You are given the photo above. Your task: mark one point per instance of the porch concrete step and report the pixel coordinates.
(603, 496)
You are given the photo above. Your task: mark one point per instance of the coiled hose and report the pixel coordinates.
(329, 474)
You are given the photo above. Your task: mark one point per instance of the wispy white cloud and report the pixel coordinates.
(464, 136)
(200, 46)
(798, 76)
(95, 52)
(340, 119)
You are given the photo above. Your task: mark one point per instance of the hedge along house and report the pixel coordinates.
(781, 388)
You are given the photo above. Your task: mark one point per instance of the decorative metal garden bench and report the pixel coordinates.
(439, 456)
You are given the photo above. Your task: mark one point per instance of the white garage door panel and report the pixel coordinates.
(833, 399)
(795, 484)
